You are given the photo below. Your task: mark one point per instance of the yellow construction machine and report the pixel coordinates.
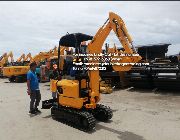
(46, 69)
(111, 79)
(106, 84)
(28, 57)
(21, 58)
(77, 100)
(4, 61)
(5, 57)
(18, 73)
(19, 61)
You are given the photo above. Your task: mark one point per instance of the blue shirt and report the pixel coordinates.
(32, 77)
(72, 72)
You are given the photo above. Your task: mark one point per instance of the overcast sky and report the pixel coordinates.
(37, 26)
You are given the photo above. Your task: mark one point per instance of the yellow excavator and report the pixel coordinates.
(4, 61)
(107, 84)
(111, 79)
(5, 54)
(46, 69)
(5, 57)
(21, 58)
(77, 100)
(18, 73)
(28, 57)
(19, 61)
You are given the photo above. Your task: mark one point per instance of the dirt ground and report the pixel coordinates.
(137, 115)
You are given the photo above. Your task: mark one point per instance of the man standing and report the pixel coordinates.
(54, 75)
(33, 89)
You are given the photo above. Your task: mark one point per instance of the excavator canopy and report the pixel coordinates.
(74, 40)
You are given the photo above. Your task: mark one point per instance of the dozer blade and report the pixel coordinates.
(47, 104)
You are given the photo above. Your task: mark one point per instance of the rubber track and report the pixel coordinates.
(71, 115)
(106, 111)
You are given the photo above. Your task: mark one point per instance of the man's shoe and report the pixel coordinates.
(32, 112)
(37, 110)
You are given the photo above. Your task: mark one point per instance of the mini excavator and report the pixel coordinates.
(77, 100)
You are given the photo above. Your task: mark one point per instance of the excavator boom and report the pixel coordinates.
(28, 56)
(4, 59)
(22, 57)
(115, 23)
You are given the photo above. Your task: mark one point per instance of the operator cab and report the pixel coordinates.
(75, 40)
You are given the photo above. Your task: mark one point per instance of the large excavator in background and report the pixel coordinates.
(77, 100)
(111, 79)
(21, 58)
(5, 54)
(28, 57)
(47, 68)
(19, 61)
(4, 61)
(18, 73)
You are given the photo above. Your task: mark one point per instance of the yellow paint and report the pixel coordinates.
(21, 70)
(83, 83)
(70, 87)
(71, 102)
(53, 86)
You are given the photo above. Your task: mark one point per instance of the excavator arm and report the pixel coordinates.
(115, 23)
(4, 55)
(28, 56)
(21, 57)
(11, 56)
(42, 56)
(45, 55)
(4, 60)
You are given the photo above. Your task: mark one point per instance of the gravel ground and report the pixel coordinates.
(138, 115)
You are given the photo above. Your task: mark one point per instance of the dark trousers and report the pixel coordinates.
(35, 99)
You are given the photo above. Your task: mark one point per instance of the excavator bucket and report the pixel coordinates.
(47, 104)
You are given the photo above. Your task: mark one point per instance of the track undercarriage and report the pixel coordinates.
(83, 119)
